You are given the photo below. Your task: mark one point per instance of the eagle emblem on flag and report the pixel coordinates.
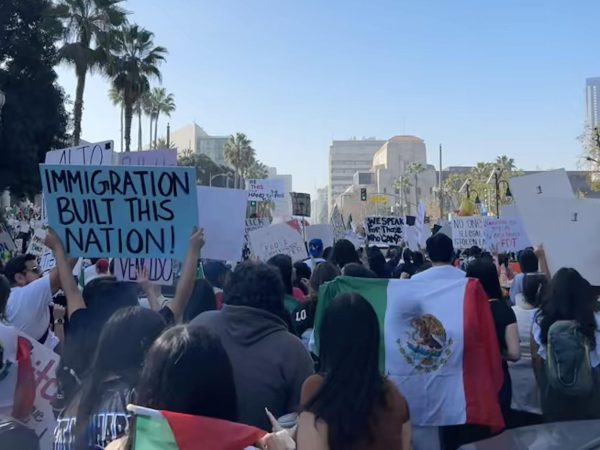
(427, 347)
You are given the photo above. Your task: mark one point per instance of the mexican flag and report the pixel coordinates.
(164, 430)
(438, 346)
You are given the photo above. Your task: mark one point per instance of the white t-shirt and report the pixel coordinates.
(594, 354)
(445, 272)
(27, 308)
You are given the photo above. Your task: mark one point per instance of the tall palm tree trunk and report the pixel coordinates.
(122, 120)
(150, 140)
(128, 120)
(78, 106)
(156, 127)
(139, 129)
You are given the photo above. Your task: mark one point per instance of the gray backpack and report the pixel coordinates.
(568, 367)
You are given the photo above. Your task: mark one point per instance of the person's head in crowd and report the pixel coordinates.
(475, 251)
(417, 259)
(103, 296)
(22, 270)
(504, 259)
(256, 285)
(440, 249)
(528, 261)
(344, 253)
(376, 262)
(203, 299)
(357, 270)
(407, 255)
(487, 274)
(120, 354)
(323, 273)
(216, 273)
(315, 248)
(570, 297)
(535, 286)
(353, 386)
(487, 255)
(188, 371)
(102, 267)
(283, 263)
(301, 270)
(4, 294)
(327, 253)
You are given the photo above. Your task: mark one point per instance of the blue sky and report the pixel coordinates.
(482, 77)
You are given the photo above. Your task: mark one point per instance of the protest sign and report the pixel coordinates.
(505, 235)
(47, 261)
(300, 204)
(384, 230)
(422, 233)
(270, 190)
(549, 184)
(411, 237)
(121, 212)
(321, 231)
(157, 158)
(251, 225)
(277, 239)
(337, 221)
(6, 242)
(41, 420)
(36, 244)
(98, 154)
(222, 214)
(159, 271)
(468, 232)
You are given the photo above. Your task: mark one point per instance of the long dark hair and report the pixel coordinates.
(124, 340)
(353, 386)
(323, 273)
(344, 253)
(188, 371)
(203, 299)
(485, 271)
(570, 297)
(283, 263)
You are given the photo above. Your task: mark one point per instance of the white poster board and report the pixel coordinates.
(97, 154)
(159, 158)
(384, 230)
(321, 231)
(505, 235)
(467, 232)
(277, 239)
(159, 271)
(222, 214)
(270, 190)
(337, 221)
(549, 184)
(422, 234)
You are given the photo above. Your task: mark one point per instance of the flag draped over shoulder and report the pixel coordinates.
(164, 430)
(438, 346)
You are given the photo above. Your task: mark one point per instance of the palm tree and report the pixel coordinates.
(416, 169)
(88, 25)
(134, 61)
(117, 99)
(161, 103)
(505, 163)
(237, 151)
(257, 171)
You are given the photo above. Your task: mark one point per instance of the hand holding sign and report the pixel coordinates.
(197, 240)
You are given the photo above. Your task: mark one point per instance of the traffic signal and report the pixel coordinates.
(363, 194)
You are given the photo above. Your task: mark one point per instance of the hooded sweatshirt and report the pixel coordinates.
(269, 363)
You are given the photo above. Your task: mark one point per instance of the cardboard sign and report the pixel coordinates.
(42, 421)
(468, 232)
(384, 230)
(121, 212)
(549, 184)
(222, 214)
(251, 225)
(277, 239)
(321, 231)
(98, 154)
(300, 204)
(337, 221)
(159, 271)
(505, 235)
(156, 158)
(36, 244)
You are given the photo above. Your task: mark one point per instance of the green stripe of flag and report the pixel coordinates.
(153, 433)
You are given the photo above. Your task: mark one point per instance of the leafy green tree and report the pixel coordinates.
(257, 171)
(33, 119)
(134, 62)
(88, 25)
(206, 169)
(160, 102)
(240, 154)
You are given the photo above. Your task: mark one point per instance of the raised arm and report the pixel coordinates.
(185, 286)
(64, 272)
(543, 262)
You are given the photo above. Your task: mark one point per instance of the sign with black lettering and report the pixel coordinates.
(468, 232)
(300, 204)
(121, 212)
(277, 239)
(98, 154)
(159, 271)
(384, 230)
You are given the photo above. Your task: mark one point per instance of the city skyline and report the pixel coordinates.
(481, 80)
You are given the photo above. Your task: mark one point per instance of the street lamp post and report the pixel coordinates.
(495, 175)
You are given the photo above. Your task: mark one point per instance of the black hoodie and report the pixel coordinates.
(269, 363)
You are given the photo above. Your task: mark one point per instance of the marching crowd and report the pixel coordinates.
(238, 345)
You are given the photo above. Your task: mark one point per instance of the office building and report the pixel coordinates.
(320, 207)
(347, 157)
(194, 138)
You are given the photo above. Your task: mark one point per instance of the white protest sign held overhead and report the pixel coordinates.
(321, 231)
(98, 154)
(505, 235)
(549, 184)
(468, 232)
(270, 190)
(277, 239)
(36, 244)
(47, 261)
(422, 234)
(337, 221)
(158, 271)
(159, 158)
(222, 214)
(384, 230)
(568, 230)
